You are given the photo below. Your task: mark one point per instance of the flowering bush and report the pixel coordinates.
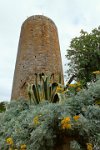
(74, 88)
(38, 127)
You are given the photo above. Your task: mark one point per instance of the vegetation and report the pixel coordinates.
(2, 106)
(44, 89)
(56, 113)
(35, 127)
(84, 55)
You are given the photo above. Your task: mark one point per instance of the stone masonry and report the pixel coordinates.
(38, 52)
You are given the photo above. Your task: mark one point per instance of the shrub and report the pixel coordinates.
(37, 127)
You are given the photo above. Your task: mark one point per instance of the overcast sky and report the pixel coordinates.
(70, 16)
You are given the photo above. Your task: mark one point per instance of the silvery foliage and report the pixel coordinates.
(74, 145)
(17, 121)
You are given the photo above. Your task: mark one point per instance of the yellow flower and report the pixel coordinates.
(96, 72)
(36, 120)
(76, 117)
(72, 85)
(65, 120)
(89, 146)
(66, 126)
(65, 123)
(23, 146)
(10, 148)
(78, 83)
(59, 89)
(78, 89)
(9, 141)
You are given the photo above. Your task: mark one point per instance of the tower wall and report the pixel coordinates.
(38, 52)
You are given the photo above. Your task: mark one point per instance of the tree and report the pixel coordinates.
(84, 55)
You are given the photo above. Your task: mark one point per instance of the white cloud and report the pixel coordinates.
(70, 16)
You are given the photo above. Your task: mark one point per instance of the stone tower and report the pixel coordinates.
(38, 52)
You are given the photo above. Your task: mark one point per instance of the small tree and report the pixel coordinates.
(84, 55)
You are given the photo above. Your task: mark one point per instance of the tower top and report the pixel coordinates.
(39, 17)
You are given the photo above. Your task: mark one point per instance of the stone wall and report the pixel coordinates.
(38, 52)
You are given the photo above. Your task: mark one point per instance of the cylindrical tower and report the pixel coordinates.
(38, 52)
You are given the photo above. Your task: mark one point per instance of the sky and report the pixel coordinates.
(70, 16)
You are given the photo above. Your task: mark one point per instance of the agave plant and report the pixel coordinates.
(44, 89)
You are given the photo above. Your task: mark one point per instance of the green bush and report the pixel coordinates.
(39, 126)
(2, 106)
